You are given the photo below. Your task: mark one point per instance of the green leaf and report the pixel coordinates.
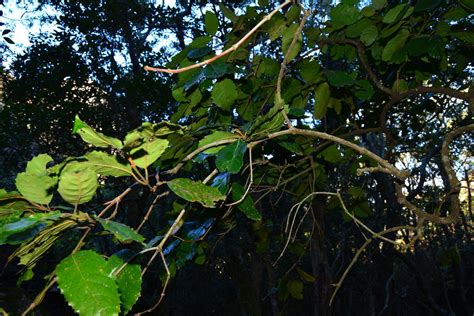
(331, 154)
(355, 30)
(195, 191)
(424, 5)
(344, 14)
(467, 37)
(200, 41)
(37, 165)
(89, 135)
(211, 23)
(199, 52)
(221, 182)
(121, 231)
(25, 228)
(247, 206)
(322, 95)
(36, 188)
(395, 13)
(339, 78)
(366, 90)
(224, 94)
(77, 183)
(369, 35)
(214, 137)
(287, 38)
(107, 165)
(395, 44)
(129, 281)
(228, 13)
(149, 152)
(379, 4)
(84, 280)
(455, 13)
(215, 70)
(295, 288)
(305, 276)
(230, 158)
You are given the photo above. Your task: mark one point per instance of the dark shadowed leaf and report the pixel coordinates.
(195, 191)
(230, 158)
(121, 231)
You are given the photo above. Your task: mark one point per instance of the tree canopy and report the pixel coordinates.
(289, 158)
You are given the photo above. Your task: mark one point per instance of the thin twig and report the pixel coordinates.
(227, 51)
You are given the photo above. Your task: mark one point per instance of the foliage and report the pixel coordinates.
(340, 116)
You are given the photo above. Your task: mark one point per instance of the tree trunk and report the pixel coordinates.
(319, 260)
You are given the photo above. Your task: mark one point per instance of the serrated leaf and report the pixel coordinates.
(224, 94)
(107, 165)
(129, 281)
(36, 188)
(195, 191)
(121, 231)
(146, 154)
(230, 158)
(247, 206)
(37, 165)
(89, 135)
(77, 183)
(211, 22)
(395, 44)
(322, 95)
(84, 280)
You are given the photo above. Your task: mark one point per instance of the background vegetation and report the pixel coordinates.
(318, 161)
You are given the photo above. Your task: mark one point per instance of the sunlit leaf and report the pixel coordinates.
(36, 188)
(84, 280)
(89, 135)
(149, 152)
(106, 164)
(77, 183)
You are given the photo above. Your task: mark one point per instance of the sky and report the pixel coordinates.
(25, 22)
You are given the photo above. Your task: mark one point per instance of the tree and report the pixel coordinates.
(306, 151)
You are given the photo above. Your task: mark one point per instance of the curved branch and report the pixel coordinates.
(227, 51)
